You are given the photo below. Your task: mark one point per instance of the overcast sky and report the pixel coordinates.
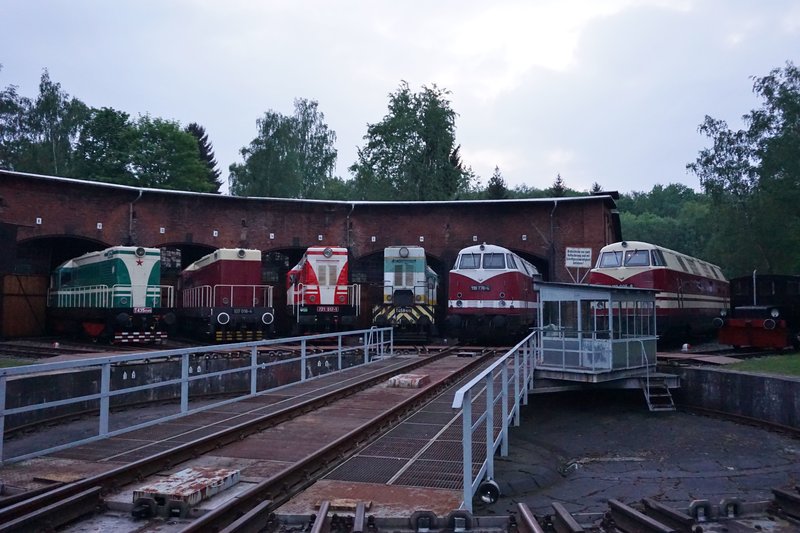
(607, 91)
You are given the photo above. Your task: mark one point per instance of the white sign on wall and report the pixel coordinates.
(579, 258)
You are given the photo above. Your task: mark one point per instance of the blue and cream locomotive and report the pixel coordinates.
(409, 293)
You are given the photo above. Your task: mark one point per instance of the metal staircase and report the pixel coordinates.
(657, 395)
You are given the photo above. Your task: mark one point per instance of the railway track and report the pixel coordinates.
(63, 504)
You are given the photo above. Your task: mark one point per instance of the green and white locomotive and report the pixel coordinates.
(113, 294)
(409, 293)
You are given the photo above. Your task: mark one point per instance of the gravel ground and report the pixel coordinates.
(580, 449)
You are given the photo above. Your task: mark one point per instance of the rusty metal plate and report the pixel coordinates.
(272, 447)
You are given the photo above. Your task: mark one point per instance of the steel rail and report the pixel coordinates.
(48, 501)
(629, 519)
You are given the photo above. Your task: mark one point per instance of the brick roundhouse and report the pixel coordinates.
(46, 220)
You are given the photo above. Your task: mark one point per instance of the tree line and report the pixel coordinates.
(744, 219)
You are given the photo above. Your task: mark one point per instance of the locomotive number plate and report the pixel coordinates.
(242, 311)
(480, 288)
(328, 309)
(142, 310)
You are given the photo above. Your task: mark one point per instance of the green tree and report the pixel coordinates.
(753, 177)
(105, 146)
(39, 135)
(411, 154)
(206, 155)
(167, 157)
(496, 188)
(292, 157)
(596, 188)
(558, 188)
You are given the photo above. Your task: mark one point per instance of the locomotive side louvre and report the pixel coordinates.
(319, 295)
(491, 292)
(691, 291)
(764, 312)
(409, 293)
(222, 297)
(114, 294)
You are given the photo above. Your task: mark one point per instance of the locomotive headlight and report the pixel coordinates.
(459, 303)
(502, 295)
(226, 301)
(223, 318)
(267, 318)
(341, 299)
(769, 324)
(387, 298)
(774, 313)
(502, 303)
(419, 297)
(312, 298)
(459, 295)
(723, 313)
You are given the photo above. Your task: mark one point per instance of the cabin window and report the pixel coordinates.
(327, 275)
(610, 259)
(658, 258)
(470, 261)
(511, 262)
(693, 266)
(637, 258)
(398, 275)
(680, 262)
(493, 261)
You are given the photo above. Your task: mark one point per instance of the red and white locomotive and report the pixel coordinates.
(692, 291)
(319, 295)
(491, 293)
(222, 298)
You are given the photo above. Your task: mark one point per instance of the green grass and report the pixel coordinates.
(6, 362)
(787, 365)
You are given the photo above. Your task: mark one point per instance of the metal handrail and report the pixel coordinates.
(369, 341)
(521, 358)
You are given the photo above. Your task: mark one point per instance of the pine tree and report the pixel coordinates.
(206, 154)
(496, 189)
(558, 188)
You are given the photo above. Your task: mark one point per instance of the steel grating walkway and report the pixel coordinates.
(424, 451)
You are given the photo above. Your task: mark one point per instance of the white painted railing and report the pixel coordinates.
(182, 368)
(503, 386)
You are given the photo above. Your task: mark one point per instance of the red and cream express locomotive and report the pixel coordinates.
(319, 295)
(491, 293)
(692, 291)
(222, 298)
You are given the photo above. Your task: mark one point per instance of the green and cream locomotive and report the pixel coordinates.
(114, 295)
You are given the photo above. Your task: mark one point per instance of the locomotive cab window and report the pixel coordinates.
(511, 262)
(658, 258)
(470, 261)
(636, 258)
(494, 261)
(610, 260)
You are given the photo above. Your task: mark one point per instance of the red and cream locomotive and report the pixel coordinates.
(491, 293)
(691, 293)
(319, 295)
(222, 298)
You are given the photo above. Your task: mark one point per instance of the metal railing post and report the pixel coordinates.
(105, 400)
(339, 350)
(466, 443)
(254, 370)
(185, 383)
(303, 360)
(517, 387)
(2, 415)
(504, 411)
(490, 425)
